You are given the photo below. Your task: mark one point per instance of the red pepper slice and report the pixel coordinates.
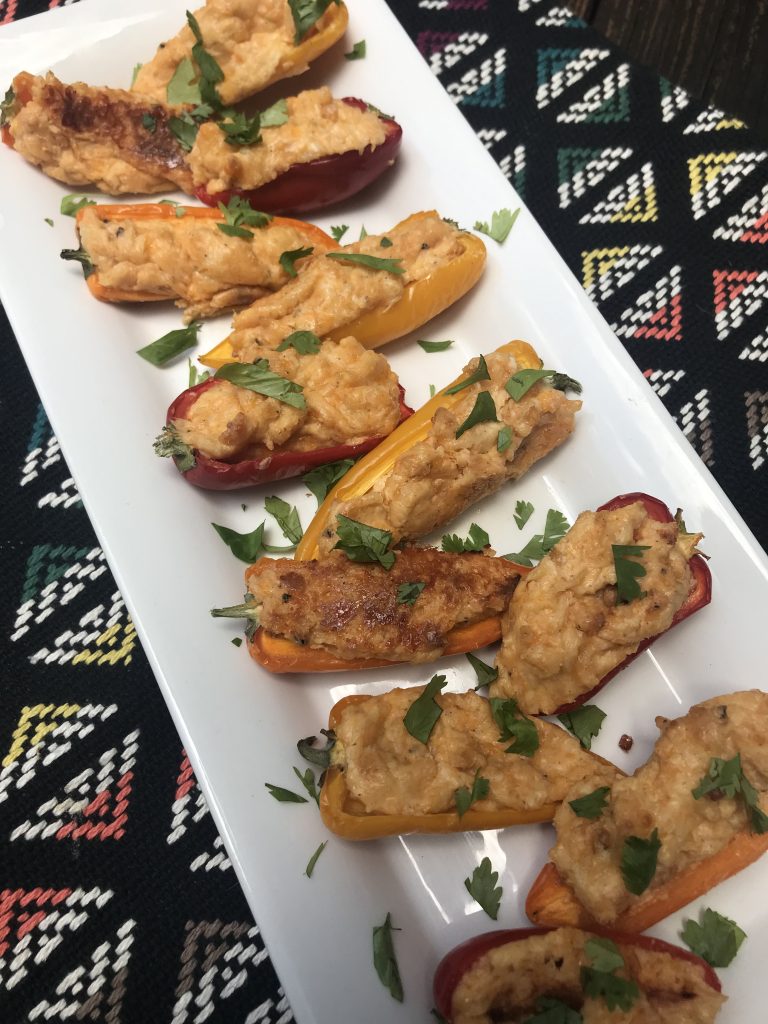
(699, 595)
(216, 475)
(320, 182)
(455, 964)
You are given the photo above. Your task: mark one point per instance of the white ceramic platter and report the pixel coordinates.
(239, 724)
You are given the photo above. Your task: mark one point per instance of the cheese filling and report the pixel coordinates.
(388, 771)
(350, 393)
(659, 796)
(564, 630)
(317, 126)
(504, 985)
(189, 259)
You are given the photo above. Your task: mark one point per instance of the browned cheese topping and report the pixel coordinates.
(188, 259)
(350, 393)
(329, 293)
(504, 984)
(387, 771)
(437, 478)
(352, 610)
(588, 853)
(317, 126)
(252, 40)
(564, 630)
(81, 136)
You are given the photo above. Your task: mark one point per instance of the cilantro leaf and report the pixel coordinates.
(483, 411)
(275, 115)
(504, 439)
(183, 87)
(71, 204)
(394, 266)
(149, 122)
(386, 243)
(48, 221)
(584, 722)
(552, 1011)
(628, 572)
(555, 528)
(285, 796)
(7, 105)
(432, 390)
(321, 480)
(168, 444)
(357, 52)
(338, 231)
(591, 805)
(728, 778)
(466, 797)
(481, 373)
(639, 858)
(486, 674)
(80, 256)
(363, 543)
(237, 641)
(476, 541)
(306, 343)
(210, 70)
(314, 858)
(384, 959)
(407, 593)
(514, 726)
(523, 512)
(421, 717)
(520, 383)
(363, 233)
(309, 782)
(239, 129)
(482, 888)
(714, 938)
(184, 128)
(287, 518)
(435, 346)
(196, 376)
(600, 982)
(239, 212)
(501, 224)
(248, 547)
(170, 345)
(289, 257)
(259, 378)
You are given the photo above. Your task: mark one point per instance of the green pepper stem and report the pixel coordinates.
(248, 610)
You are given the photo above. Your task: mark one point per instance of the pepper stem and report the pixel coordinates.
(248, 610)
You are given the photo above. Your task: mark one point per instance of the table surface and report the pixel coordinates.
(131, 911)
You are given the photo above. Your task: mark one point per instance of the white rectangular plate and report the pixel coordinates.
(239, 724)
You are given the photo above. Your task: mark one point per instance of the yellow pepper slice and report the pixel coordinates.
(364, 474)
(421, 301)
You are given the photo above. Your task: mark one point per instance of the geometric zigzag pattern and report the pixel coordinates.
(118, 903)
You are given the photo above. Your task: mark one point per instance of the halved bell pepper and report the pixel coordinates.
(176, 215)
(361, 478)
(455, 964)
(421, 301)
(217, 475)
(552, 902)
(342, 818)
(699, 595)
(318, 183)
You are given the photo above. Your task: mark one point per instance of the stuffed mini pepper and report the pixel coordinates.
(282, 415)
(631, 851)
(618, 579)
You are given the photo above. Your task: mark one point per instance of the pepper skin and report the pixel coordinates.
(361, 478)
(169, 212)
(348, 825)
(216, 475)
(421, 301)
(318, 183)
(455, 964)
(700, 593)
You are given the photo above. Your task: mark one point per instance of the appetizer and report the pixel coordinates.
(253, 42)
(630, 851)
(283, 414)
(568, 976)
(492, 426)
(110, 138)
(318, 151)
(417, 760)
(365, 607)
(377, 289)
(161, 251)
(619, 578)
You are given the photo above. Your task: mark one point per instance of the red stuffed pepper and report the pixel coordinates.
(608, 589)
(230, 432)
(318, 183)
(521, 973)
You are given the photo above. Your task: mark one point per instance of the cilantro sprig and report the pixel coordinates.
(363, 543)
(727, 778)
(502, 222)
(483, 889)
(476, 541)
(555, 528)
(600, 981)
(715, 938)
(238, 215)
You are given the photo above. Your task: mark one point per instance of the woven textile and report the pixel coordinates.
(117, 901)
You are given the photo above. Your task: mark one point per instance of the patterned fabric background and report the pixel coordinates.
(117, 900)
